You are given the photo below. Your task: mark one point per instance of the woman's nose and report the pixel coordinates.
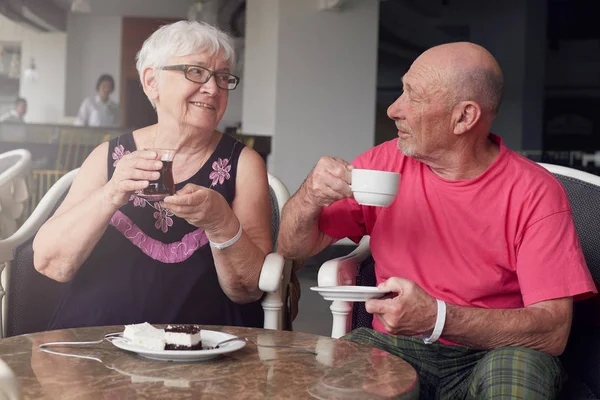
(210, 87)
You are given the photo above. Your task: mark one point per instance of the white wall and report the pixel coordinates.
(322, 67)
(93, 49)
(260, 67)
(233, 114)
(94, 42)
(45, 96)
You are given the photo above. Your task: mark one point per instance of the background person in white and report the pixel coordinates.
(17, 114)
(99, 110)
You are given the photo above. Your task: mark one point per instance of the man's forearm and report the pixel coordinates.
(544, 327)
(299, 234)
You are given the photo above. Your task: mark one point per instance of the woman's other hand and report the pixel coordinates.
(199, 206)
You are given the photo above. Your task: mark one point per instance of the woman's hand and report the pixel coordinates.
(199, 206)
(133, 172)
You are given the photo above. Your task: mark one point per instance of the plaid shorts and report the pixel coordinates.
(457, 372)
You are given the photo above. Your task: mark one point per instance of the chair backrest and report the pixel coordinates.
(74, 145)
(30, 296)
(583, 190)
(290, 288)
(41, 181)
(582, 355)
(279, 195)
(15, 170)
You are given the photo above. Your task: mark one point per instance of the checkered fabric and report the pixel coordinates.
(457, 372)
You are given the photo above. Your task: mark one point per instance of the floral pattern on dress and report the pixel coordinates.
(137, 200)
(163, 217)
(119, 153)
(221, 171)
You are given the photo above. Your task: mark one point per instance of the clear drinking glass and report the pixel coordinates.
(165, 185)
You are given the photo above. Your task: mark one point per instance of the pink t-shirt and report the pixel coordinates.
(505, 239)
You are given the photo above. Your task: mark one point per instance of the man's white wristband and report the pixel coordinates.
(439, 323)
(230, 242)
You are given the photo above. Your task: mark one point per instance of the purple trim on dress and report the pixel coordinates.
(167, 253)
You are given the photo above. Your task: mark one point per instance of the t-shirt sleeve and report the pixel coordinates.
(344, 218)
(550, 263)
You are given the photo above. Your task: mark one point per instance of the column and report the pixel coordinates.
(309, 81)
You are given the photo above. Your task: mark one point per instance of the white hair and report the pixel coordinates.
(180, 39)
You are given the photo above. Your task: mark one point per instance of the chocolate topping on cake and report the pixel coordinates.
(178, 347)
(189, 329)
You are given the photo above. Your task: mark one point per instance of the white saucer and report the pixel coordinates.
(209, 339)
(349, 293)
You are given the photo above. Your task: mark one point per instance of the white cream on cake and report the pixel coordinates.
(181, 338)
(146, 336)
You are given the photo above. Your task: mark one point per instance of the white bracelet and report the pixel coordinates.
(439, 323)
(224, 245)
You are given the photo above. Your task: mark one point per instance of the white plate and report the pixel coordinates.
(209, 339)
(349, 293)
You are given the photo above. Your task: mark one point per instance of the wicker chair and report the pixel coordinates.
(15, 170)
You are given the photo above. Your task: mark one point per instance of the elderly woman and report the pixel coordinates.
(194, 257)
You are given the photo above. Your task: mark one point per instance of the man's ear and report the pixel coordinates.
(150, 82)
(465, 115)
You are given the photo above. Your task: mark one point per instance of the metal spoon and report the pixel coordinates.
(233, 339)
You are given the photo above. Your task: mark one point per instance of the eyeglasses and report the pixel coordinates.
(198, 74)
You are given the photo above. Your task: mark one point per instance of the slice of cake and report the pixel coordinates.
(183, 337)
(146, 336)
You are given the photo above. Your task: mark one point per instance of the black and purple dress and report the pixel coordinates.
(151, 266)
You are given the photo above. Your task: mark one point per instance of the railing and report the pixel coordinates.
(57, 149)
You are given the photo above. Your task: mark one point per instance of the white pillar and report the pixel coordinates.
(310, 81)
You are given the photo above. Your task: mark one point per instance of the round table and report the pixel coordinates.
(334, 369)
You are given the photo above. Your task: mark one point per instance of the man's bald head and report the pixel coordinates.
(467, 71)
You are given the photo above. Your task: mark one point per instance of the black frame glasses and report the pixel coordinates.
(224, 80)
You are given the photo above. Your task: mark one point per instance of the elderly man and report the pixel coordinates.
(17, 114)
(479, 247)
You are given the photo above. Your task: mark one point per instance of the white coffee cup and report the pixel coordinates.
(374, 188)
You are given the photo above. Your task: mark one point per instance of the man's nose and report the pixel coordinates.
(394, 111)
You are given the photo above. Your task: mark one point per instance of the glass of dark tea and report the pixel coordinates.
(165, 185)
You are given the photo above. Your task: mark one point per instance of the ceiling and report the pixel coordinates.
(41, 15)
(406, 26)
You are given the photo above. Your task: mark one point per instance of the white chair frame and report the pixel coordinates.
(276, 271)
(25, 232)
(14, 192)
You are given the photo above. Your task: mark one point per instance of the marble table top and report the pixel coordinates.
(334, 369)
